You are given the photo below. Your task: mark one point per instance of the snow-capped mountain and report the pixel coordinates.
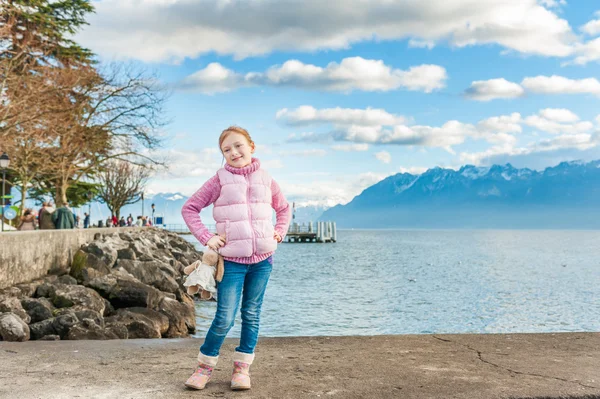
(500, 196)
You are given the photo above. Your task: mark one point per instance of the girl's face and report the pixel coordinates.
(237, 150)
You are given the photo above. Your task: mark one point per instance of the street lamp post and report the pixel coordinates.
(153, 220)
(89, 196)
(142, 204)
(4, 162)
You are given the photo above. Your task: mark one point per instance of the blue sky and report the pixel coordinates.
(339, 95)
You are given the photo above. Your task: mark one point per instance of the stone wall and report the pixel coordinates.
(28, 255)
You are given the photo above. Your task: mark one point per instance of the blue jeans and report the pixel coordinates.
(240, 281)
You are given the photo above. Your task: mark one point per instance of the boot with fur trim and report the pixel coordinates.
(203, 372)
(240, 379)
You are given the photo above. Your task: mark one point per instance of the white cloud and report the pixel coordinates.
(588, 51)
(339, 190)
(384, 156)
(578, 141)
(445, 136)
(172, 30)
(501, 124)
(213, 79)
(598, 120)
(560, 85)
(353, 73)
(559, 115)
(416, 43)
(478, 158)
(553, 127)
(352, 147)
(486, 90)
(308, 115)
(592, 28)
(191, 163)
(382, 128)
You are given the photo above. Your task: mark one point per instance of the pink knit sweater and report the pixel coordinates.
(208, 194)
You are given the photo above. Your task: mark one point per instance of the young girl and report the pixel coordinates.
(243, 195)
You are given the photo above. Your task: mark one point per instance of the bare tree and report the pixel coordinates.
(122, 184)
(118, 116)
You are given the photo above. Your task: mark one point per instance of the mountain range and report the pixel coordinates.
(500, 196)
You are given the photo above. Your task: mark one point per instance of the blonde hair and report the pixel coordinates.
(235, 129)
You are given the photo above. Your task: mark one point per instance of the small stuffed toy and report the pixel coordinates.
(203, 275)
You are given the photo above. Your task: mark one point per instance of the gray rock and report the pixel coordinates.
(63, 323)
(42, 328)
(125, 292)
(155, 273)
(161, 322)
(13, 328)
(118, 329)
(179, 244)
(101, 255)
(13, 305)
(182, 319)
(45, 290)
(67, 280)
(127, 236)
(103, 284)
(90, 314)
(138, 325)
(126, 253)
(72, 295)
(12, 292)
(140, 249)
(88, 329)
(37, 308)
(28, 289)
(129, 293)
(108, 308)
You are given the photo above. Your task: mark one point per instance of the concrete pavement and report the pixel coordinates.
(399, 366)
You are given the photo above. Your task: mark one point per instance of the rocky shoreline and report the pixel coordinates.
(126, 284)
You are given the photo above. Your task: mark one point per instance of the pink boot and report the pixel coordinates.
(240, 379)
(203, 372)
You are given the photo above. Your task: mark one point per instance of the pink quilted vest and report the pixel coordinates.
(243, 211)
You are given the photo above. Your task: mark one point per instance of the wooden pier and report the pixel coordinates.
(320, 232)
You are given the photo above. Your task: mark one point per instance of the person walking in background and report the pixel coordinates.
(27, 221)
(122, 222)
(129, 220)
(108, 222)
(139, 222)
(63, 217)
(243, 195)
(45, 217)
(115, 221)
(86, 220)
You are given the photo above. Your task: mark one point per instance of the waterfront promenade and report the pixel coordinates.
(400, 366)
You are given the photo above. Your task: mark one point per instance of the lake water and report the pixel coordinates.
(430, 281)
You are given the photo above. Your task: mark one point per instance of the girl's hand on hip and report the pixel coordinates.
(277, 237)
(215, 242)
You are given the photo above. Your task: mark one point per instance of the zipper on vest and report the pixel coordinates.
(250, 214)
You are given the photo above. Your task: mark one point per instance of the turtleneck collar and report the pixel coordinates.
(246, 170)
